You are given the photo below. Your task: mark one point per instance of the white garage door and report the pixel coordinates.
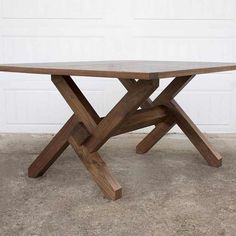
(73, 30)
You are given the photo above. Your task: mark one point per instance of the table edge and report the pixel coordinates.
(116, 74)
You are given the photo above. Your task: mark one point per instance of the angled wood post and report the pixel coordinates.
(163, 127)
(53, 150)
(129, 85)
(197, 138)
(87, 115)
(155, 135)
(98, 169)
(77, 101)
(177, 115)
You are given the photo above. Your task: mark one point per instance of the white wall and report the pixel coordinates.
(73, 30)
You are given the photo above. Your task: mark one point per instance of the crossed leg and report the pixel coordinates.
(86, 132)
(179, 117)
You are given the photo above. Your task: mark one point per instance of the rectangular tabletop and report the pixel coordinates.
(122, 69)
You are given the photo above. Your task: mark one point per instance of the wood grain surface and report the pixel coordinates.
(122, 69)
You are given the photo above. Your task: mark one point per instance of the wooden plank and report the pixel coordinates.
(194, 134)
(127, 105)
(172, 89)
(98, 169)
(77, 101)
(145, 70)
(155, 135)
(140, 125)
(142, 118)
(147, 114)
(54, 149)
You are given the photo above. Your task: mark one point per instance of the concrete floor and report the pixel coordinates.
(168, 191)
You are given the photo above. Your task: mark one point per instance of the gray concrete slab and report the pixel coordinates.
(167, 191)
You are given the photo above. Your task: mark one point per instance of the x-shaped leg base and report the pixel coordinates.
(86, 132)
(177, 116)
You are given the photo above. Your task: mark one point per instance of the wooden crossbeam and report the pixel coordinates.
(142, 118)
(114, 119)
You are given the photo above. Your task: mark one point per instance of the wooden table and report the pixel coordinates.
(86, 132)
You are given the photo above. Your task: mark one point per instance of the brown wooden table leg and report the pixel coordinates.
(86, 114)
(163, 127)
(155, 135)
(86, 132)
(177, 115)
(197, 138)
(98, 169)
(53, 150)
(77, 101)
